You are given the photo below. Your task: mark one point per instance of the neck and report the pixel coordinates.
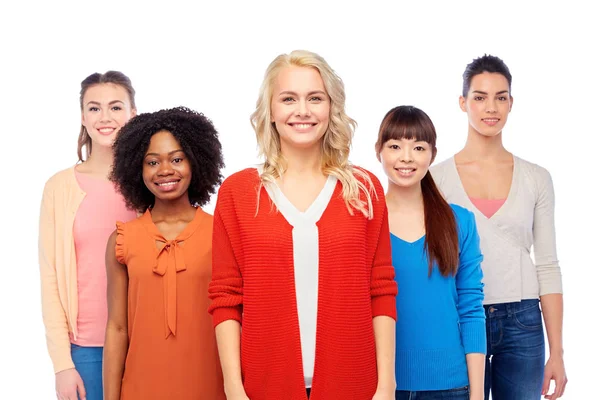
(480, 147)
(100, 161)
(172, 209)
(406, 199)
(302, 162)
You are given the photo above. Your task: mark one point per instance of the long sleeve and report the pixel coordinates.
(226, 288)
(544, 236)
(55, 320)
(383, 286)
(469, 286)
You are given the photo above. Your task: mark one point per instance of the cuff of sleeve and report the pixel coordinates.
(551, 288)
(226, 313)
(384, 305)
(474, 337)
(62, 363)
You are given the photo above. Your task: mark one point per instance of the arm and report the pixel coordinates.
(117, 340)
(383, 297)
(226, 294)
(549, 278)
(471, 313)
(68, 382)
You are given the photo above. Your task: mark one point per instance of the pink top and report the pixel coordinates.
(488, 207)
(94, 222)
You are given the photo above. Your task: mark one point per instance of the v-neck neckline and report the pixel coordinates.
(314, 211)
(509, 197)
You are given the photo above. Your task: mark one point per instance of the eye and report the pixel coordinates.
(394, 147)
(177, 160)
(116, 108)
(420, 148)
(502, 98)
(152, 163)
(93, 109)
(287, 99)
(316, 99)
(478, 98)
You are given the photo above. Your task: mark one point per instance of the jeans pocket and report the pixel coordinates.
(529, 319)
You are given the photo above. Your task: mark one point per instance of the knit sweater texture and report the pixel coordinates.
(253, 283)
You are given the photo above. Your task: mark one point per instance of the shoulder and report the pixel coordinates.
(367, 178)
(240, 181)
(465, 220)
(537, 175)
(59, 179)
(440, 170)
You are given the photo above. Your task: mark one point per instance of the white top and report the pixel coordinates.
(525, 219)
(305, 235)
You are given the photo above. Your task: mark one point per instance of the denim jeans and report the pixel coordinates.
(88, 362)
(461, 393)
(514, 365)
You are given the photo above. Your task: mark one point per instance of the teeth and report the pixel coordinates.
(303, 126)
(107, 130)
(167, 184)
(405, 170)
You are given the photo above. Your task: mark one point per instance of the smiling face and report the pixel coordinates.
(405, 161)
(300, 107)
(106, 108)
(166, 171)
(487, 104)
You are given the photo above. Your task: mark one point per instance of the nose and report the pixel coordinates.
(406, 154)
(165, 169)
(490, 106)
(303, 109)
(105, 115)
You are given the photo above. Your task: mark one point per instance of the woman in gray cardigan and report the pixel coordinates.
(513, 202)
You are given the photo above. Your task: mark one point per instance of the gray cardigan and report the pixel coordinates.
(525, 219)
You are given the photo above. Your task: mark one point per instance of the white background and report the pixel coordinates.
(211, 57)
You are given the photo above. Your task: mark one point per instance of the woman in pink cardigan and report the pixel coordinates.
(79, 209)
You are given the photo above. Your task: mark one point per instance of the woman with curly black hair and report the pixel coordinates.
(160, 342)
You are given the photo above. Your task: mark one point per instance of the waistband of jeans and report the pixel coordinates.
(503, 309)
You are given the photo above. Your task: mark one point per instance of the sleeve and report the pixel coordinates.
(544, 237)
(55, 319)
(120, 248)
(383, 286)
(226, 287)
(469, 286)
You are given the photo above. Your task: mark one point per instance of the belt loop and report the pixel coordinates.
(510, 309)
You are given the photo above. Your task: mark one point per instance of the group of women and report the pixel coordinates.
(309, 281)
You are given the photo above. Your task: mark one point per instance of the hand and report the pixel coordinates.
(385, 394)
(555, 370)
(69, 384)
(236, 393)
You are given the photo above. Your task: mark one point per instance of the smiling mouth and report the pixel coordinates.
(106, 131)
(166, 186)
(491, 121)
(405, 171)
(302, 126)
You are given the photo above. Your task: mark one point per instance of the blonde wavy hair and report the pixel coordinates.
(335, 146)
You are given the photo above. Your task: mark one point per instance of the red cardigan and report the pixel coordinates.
(253, 283)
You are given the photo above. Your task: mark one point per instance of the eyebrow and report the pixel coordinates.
(309, 93)
(170, 153)
(110, 104)
(497, 93)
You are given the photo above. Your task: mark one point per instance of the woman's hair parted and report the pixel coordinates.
(441, 235)
(114, 77)
(199, 141)
(357, 186)
(485, 63)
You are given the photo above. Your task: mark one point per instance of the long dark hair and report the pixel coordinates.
(441, 235)
(115, 77)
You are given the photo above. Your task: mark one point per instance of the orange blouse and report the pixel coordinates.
(172, 350)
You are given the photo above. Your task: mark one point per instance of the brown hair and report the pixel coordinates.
(441, 234)
(114, 77)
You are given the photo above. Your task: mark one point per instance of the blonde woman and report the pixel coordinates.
(303, 290)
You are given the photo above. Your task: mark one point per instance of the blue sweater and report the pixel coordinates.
(440, 319)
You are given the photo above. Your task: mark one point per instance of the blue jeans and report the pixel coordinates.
(88, 363)
(514, 365)
(461, 393)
